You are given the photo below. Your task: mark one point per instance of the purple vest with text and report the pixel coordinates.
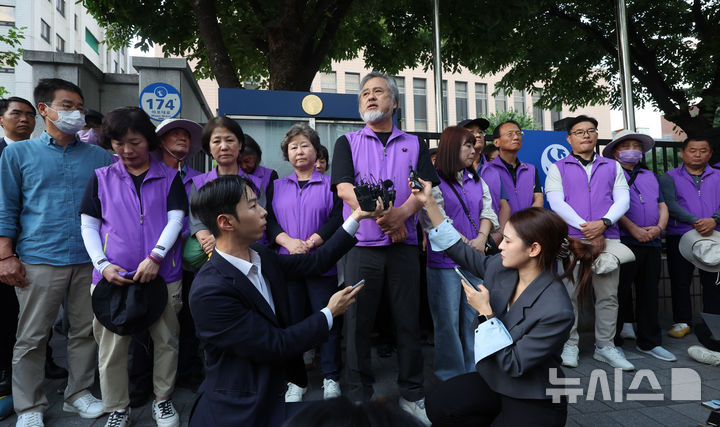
(130, 229)
(374, 162)
(644, 193)
(520, 195)
(472, 194)
(301, 211)
(702, 203)
(591, 200)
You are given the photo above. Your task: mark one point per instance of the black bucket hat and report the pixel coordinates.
(129, 309)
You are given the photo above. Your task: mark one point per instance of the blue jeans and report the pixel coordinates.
(453, 319)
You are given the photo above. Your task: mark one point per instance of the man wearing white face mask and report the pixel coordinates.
(42, 182)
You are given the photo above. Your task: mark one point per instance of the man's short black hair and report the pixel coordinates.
(687, 140)
(496, 131)
(5, 104)
(217, 197)
(579, 119)
(45, 90)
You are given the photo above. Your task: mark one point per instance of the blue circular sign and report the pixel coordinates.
(160, 101)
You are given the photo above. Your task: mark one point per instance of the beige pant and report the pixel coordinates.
(113, 354)
(605, 288)
(39, 305)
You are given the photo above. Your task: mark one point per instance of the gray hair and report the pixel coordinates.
(304, 130)
(392, 86)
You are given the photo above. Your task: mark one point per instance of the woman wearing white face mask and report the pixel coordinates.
(640, 230)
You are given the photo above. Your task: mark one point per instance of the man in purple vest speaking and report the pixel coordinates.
(387, 253)
(591, 194)
(692, 195)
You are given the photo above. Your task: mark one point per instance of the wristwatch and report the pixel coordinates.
(607, 222)
(484, 317)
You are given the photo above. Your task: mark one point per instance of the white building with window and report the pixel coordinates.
(55, 26)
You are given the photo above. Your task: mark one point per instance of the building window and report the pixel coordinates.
(481, 99)
(555, 115)
(519, 101)
(44, 30)
(60, 6)
(400, 83)
(352, 83)
(7, 15)
(328, 82)
(76, 22)
(538, 113)
(59, 43)
(501, 102)
(92, 41)
(420, 101)
(444, 104)
(461, 101)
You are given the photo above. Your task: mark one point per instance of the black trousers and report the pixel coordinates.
(704, 335)
(644, 273)
(681, 272)
(467, 400)
(8, 319)
(396, 267)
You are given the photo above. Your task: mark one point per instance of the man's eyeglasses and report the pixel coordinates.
(589, 132)
(15, 115)
(514, 133)
(69, 106)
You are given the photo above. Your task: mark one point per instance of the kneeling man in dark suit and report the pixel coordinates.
(240, 305)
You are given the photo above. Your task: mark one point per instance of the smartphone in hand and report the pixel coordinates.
(361, 282)
(463, 277)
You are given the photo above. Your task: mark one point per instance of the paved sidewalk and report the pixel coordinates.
(588, 411)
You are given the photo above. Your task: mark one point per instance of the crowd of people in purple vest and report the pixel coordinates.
(233, 281)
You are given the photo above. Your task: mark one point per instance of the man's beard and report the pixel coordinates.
(372, 117)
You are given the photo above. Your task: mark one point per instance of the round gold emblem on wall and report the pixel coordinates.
(312, 104)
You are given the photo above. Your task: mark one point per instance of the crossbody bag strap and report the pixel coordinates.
(462, 203)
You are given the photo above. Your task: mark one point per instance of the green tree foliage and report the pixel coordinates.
(525, 121)
(11, 51)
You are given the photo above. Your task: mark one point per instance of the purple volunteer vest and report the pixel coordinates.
(374, 162)
(472, 194)
(644, 193)
(263, 174)
(591, 200)
(520, 195)
(702, 203)
(129, 231)
(301, 211)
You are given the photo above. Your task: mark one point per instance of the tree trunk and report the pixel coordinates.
(220, 62)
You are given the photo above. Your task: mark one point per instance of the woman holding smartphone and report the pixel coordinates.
(524, 317)
(462, 193)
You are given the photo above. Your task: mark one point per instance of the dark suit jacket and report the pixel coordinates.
(539, 323)
(251, 353)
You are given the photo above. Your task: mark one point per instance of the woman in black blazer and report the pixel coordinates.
(525, 316)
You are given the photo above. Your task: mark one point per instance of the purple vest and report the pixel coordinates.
(374, 162)
(202, 179)
(644, 193)
(520, 195)
(472, 194)
(591, 200)
(263, 174)
(301, 211)
(128, 231)
(702, 203)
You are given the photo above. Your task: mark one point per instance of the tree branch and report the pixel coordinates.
(209, 29)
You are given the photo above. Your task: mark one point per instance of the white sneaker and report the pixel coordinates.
(704, 355)
(87, 406)
(30, 419)
(119, 418)
(294, 393)
(628, 332)
(416, 409)
(659, 353)
(610, 355)
(570, 355)
(164, 413)
(331, 389)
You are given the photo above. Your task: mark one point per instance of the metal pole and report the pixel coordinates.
(624, 66)
(438, 66)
